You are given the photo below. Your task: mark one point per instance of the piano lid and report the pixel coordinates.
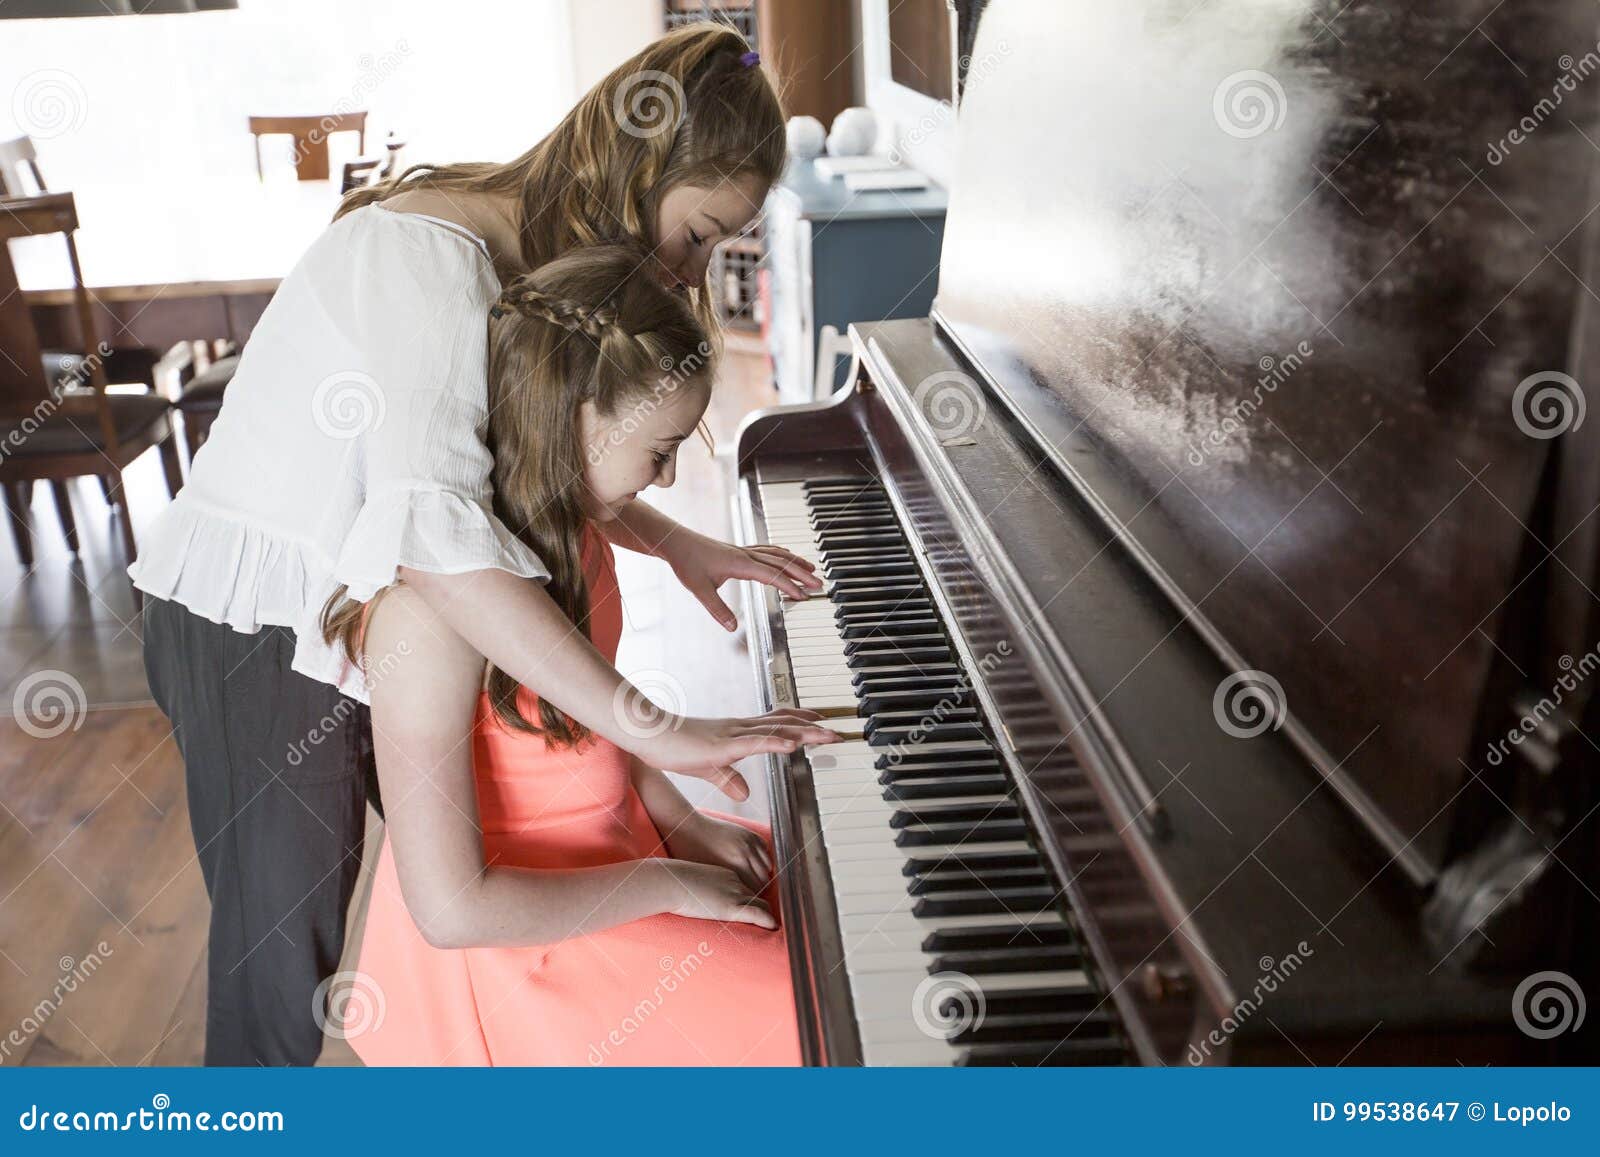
(1272, 281)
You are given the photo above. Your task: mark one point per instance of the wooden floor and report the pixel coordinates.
(102, 909)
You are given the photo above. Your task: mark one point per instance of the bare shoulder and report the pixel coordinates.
(432, 203)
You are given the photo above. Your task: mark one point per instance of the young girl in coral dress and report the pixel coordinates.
(544, 898)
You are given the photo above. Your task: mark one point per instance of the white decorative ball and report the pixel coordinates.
(855, 131)
(806, 137)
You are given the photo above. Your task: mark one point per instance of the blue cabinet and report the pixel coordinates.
(837, 257)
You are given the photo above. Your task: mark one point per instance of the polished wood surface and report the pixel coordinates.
(1273, 312)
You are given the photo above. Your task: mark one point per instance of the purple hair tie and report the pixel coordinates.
(750, 59)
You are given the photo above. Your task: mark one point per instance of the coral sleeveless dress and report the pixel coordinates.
(664, 990)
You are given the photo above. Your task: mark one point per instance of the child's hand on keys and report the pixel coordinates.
(707, 892)
(708, 748)
(704, 839)
(703, 564)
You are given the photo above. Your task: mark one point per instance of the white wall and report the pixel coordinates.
(157, 99)
(607, 32)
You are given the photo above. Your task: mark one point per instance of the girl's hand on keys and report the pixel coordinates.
(707, 892)
(703, 564)
(708, 748)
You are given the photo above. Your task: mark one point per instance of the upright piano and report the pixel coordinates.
(1210, 602)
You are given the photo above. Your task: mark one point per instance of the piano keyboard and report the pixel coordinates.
(956, 941)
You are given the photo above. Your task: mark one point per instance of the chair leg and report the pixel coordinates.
(125, 523)
(109, 485)
(17, 495)
(170, 464)
(58, 487)
(192, 436)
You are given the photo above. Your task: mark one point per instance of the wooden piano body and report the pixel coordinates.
(1220, 462)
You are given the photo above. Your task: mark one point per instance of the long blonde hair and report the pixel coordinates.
(686, 110)
(594, 325)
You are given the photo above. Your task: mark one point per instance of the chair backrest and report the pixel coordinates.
(17, 157)
(310, 135)
(359, 172)
(394, 146)
(24, 385)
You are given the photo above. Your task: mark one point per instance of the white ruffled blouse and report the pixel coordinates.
(351, 441)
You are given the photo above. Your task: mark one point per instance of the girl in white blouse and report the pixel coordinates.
(350, 453)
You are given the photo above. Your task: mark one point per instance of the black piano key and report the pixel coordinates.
(916, 789)
(908, 737)
(987, 902)
(1026, 958)
(996, 936)
(908, 678)
(920, 655)
(1047, 999)
(917, 770)
(1001, 1028)
(853, 592)
(890, 627)
(975, 863)
(876, 703)
(884, 571)
(984, 833)
(922, 755)
(914, 815)
(865, 610)
(1070, 1052)
(933, 883)
(930, 640)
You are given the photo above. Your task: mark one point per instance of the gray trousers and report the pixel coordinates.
(279, 768)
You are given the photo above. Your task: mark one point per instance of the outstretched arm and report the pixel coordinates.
(515, 624)
(422, 714)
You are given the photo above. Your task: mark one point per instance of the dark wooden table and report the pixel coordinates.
(165, 265)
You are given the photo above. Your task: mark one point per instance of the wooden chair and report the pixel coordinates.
(359, 172)
(202, 399)
(16, 158)
(125, 364)
(310, 135)
(61, 430)
(393, 148)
